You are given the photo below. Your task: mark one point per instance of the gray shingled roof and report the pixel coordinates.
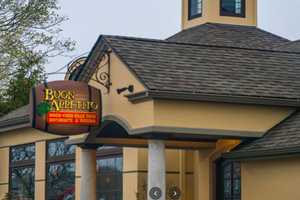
(18, 118)
(229, 35)
(204, 69)
(19, 112)
(283, 139)
(291, 46)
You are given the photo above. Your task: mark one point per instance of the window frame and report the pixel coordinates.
(57, 160)
(20, 164)
(221, 164)
(190, 16)
(115, 152)
(230, 14)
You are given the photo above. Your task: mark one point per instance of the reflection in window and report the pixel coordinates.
(231, 172)
(195, 8)
(58, 148)
(24, 152)
(233, 8)
(109, 174)
(22, 160)
(60, 184)
(60, 171)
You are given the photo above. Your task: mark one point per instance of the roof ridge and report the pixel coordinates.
(215, 25)
(204, 45)
(275, 35)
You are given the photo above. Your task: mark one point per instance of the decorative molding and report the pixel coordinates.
(102, 72)
(174, 95)
(192, 132)
(146, 171)
(258, 155)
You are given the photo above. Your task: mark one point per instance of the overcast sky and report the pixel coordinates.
(153, 19)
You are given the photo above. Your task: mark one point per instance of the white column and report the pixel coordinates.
(88, 174)
(156, 170)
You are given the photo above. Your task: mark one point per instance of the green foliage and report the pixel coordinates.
(29, 36)
(43, 108)
(18, 88)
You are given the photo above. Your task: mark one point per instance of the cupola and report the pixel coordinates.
(236, 12)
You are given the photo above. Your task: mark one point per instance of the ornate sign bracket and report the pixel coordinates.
(102, 73)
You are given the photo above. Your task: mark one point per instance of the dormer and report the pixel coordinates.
(237, 12)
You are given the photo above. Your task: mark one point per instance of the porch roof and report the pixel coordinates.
(204, 72)
(16, 119)
(282, 140)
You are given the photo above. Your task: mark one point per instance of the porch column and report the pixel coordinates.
(156, 170)
(88, 174)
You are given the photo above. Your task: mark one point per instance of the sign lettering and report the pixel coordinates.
(65, 107)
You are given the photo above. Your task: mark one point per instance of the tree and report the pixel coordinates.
(29, 36)
(26, 76)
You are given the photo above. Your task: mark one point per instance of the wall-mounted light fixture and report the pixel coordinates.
(130, 89)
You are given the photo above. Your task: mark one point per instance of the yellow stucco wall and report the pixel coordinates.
(25, 136)
(135, 172)
(138, 115)
(209, 117)
(40, 173)
(275, 179)
(218, 116)
(4, 170)
(211, 13)
(134, 167)
(193, 172)
(77, 173)
(198, 180)
(203, 184)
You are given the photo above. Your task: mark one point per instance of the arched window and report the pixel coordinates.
(234, 8)
(195, 9)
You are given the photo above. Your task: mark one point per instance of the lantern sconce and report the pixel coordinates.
(130, 89)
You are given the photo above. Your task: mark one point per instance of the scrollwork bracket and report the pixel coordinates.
(102, 73)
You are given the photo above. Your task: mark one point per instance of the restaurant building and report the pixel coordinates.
(210, 113)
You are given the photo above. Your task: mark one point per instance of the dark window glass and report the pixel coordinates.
(22, 160)
(195, 8)
(60, 171)
(60, 181)
(22, 183)
(228, 181)
(58, 148)
(109, 174)
(24, 152)
(233, 8)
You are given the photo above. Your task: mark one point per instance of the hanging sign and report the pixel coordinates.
(65, 107)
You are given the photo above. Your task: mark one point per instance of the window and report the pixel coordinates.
(60, 171)
(22, 160)
(228, 181)
(195, 9)
(233, 8)
(109, 173)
